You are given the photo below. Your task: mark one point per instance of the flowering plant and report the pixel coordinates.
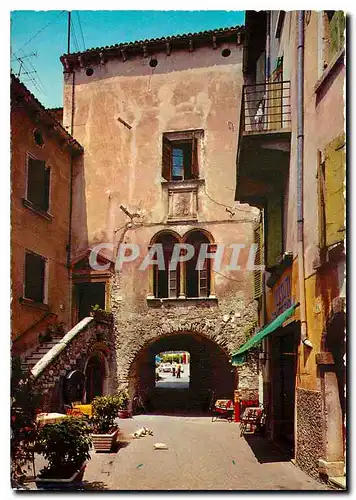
(25, 401)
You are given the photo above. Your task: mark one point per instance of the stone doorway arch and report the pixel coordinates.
(96, 376)
(211, 374)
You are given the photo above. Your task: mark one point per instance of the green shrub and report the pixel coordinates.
(105, 409)
(123, 398)
(65, 445)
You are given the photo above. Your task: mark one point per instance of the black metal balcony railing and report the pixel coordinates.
(266, 106)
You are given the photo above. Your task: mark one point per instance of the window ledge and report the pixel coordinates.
(187, 184)
(32, 303)
(184, 301)
(39, 211)
(337, 59)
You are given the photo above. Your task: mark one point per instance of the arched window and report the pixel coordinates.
(166, 281)
(197, 280)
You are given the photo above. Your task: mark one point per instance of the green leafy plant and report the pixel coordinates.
(65, 445)
(25, 402)
(105, 409)
(51, 330)
(123, 398)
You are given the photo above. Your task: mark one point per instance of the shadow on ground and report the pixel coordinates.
(264, 451)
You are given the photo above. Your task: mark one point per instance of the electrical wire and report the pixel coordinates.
(38, 32)
(80, 27)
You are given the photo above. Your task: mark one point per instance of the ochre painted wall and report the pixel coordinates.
(31, 231)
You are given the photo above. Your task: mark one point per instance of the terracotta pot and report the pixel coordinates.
(104, 442)
(59, 484)
(124, 414)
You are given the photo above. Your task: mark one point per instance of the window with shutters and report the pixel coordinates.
(38, 183)
(180, 156)
(35, 277)
(333, 34)
(166, 281)
(197, 281)
(331, 191)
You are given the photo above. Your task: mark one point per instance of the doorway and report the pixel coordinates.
(94, 377)
(88, 295)
(284, 370)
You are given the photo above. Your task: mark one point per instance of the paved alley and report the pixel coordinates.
(201, 455)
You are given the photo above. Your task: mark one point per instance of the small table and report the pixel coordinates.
(86, 409)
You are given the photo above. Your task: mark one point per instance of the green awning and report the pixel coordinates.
(239, 356)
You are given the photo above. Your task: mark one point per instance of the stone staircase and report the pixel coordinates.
(30, 361)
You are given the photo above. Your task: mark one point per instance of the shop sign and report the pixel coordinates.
(282, 295)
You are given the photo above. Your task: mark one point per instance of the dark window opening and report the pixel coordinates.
(35, 269)
(89, 295)
(198, 280)
(179, 159)
(153, 63)
(89, 71)
(37, 135)
(166, 282)
(226, 52)
(38, 182)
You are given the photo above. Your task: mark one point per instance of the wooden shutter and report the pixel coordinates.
(195, 166)
(257, 275)
(321, 200)
(274, 229)
(166, 159)
(335, 171)
(36, 181)
(203, 280)
(172, 283)
(34, 277)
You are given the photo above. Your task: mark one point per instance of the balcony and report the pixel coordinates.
(264, 142)
(266, 108)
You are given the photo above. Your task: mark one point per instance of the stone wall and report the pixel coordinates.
(87, 337)
(309, 438)
(221, 321)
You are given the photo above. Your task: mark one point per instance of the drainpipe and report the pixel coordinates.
(268, 47)
(69, 253)
(300, 165)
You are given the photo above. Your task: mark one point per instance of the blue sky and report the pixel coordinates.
(44, 33)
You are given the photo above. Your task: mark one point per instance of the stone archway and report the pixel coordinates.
(211, 373)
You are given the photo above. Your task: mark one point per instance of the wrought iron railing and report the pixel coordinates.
(266, 106)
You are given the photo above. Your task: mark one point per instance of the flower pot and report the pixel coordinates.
(104, 442)
(124, 414)
(59, 484)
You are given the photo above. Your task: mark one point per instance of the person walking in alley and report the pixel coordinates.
(174, 369)
(178, 371)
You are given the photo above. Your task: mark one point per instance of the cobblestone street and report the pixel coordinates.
(201, 455)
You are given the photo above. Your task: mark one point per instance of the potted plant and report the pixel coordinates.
(123, 398)
(100, 314)
(104, 430)
(25, 402)
(66, 446)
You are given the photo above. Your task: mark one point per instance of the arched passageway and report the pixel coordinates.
(211, 374)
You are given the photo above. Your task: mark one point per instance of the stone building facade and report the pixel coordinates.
(158, 122)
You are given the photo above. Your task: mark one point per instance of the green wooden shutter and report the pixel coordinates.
(274, 230)
(257, 275)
